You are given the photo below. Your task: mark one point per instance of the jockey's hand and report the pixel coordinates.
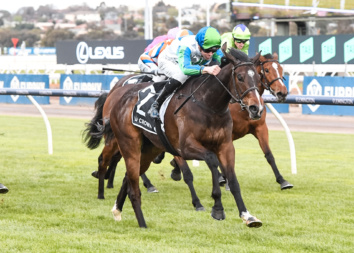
(154, 72)
(212, 70)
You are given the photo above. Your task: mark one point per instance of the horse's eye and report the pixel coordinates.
(267, 70)
(239, 77)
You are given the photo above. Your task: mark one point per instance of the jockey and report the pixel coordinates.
(187, 56)
(238, 38)
(148, 60)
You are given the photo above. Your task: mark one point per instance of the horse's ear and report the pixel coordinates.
(256, 59)
(275, 56)
(227, 57)
(223, 48)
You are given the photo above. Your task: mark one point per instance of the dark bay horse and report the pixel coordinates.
(271, 79)
(271, 73)
(200, 131)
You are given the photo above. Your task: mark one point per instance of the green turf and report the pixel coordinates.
(52, 204)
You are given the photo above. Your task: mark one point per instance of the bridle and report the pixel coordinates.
(267, 84)
(238, 98)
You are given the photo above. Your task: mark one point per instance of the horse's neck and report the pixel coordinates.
(214, 95)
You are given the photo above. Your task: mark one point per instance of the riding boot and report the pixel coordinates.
(3, 189)
(166, 91)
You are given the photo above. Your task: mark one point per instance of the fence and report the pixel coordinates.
(268, 99)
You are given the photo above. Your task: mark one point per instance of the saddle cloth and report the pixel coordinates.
(140, 115)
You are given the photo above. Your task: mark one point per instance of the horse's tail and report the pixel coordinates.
(95, 129)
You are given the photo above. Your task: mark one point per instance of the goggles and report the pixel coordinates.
(211, 49)
(241, 41)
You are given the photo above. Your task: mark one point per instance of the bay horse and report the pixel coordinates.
(201, 130)
(271, 73)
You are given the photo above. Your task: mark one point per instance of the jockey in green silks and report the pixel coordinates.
(239, 38)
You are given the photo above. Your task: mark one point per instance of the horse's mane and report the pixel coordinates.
(268, 56)
(238, 54)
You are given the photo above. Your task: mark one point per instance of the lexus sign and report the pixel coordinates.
(100, 52)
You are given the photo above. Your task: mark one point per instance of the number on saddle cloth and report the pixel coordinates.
(140, 115)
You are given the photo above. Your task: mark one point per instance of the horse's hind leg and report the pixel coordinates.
(112, 169)
(147, 183)
(118, 205)
(262, 136)
(188, 179)
(106, 157)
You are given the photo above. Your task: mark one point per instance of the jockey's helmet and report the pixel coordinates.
(241, 32)
(208, 37)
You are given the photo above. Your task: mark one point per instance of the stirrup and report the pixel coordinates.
(154, 113)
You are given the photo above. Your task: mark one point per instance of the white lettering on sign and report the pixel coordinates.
(339, 91)
(84, 52)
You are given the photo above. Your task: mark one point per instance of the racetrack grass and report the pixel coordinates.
(52, 204)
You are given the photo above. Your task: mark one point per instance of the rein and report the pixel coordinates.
(239, 98)
(191, 95)
(267, 84)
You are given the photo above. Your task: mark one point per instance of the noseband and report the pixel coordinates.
(238, 98)
(267, 84)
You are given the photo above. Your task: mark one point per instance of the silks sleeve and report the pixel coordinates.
(185, 62)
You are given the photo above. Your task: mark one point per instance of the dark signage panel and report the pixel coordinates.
(100, 52)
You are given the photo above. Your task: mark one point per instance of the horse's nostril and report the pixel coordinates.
(254, 109)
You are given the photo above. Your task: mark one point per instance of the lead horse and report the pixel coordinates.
(201, 130)
(271, 73)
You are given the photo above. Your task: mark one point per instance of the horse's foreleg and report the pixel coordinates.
(218, 209)
(262, 135)
(188, 179)
(158, 159)
(227, 165)
(147, 183)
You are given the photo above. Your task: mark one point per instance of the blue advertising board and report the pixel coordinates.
(328, 86)
(86, 82)
(24, 81)
(281, 108)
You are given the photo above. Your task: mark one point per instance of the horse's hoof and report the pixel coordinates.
(176, 176)
(222, 180)
(100, 197)
(152, 189)
(173, 163)
(158, 159)
(109, 186)
(200, 209)
(285, 185)
(250, 220)
(227, 187)
(218, 214)
(95, 174)
(117, 214)
(253, 222)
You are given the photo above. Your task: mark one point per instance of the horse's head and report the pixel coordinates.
(271, 73)
(244, 81)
